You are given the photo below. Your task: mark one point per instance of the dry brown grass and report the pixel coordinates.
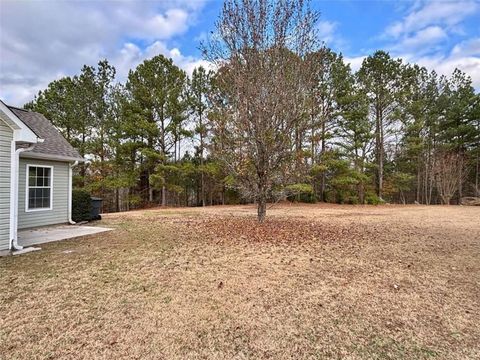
(313, 282)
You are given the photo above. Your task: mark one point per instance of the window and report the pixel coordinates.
(39, 188)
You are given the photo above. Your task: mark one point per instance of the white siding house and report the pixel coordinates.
(35, 174)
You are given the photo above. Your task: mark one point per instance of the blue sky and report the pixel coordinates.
(43, 40)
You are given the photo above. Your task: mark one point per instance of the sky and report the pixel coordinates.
(41, 41)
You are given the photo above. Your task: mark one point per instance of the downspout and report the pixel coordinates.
(12, 192)
(15, 160)
(70, 173)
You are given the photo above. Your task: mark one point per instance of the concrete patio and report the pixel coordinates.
(48, 234)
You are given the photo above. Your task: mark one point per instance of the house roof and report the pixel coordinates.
(22, 132)
(54, 146)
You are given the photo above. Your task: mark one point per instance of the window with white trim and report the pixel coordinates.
(39, 187)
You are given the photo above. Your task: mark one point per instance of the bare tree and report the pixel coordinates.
(260, 47)
(448, 170)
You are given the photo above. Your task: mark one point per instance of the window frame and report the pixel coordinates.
(27, 187)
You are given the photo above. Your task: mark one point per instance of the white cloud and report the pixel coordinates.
(425, 33)
(326, 30)
(187, 63)
(154, 25)
(422, 41)
(461, 57)
(446, 13)
(428, 27)
(467, 48)
(42, 41)
(445, 65)
(355, 62)
(131, 55)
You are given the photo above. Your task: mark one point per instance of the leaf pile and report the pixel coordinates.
(272, 231)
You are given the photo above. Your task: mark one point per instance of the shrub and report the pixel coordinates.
(300, 192)
(232, 196)
(307, 198)
(81, 205)
(373, 199)
(352, 200)
(134, 200)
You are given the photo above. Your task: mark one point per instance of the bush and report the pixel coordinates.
(134, 201)
(232, 197)
(342, 197)
(81, 205)
(307, 198)
(351, 200)
(300, 192)
(373, 199)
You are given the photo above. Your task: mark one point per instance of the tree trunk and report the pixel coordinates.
(150, 193)
(426, 178)
(313, 150)
(477, 167)
(359, 165)
(379, 151)
(322, 155)
(164, 196)
(197, 194)
(175, 150)
(460, 180)
(380, 171)
(361, 193)
(419, 180)
(477, 185)
(128, 200)
(262, 196)
(202, 185)
(446, 199)
(312, 140)
(262, 208)
(117, 199)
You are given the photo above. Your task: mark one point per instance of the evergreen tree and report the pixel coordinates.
(380, 77)
(156, 88)
(354, 131)
(200, 88)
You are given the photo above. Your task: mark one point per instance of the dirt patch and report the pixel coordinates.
(314, 281)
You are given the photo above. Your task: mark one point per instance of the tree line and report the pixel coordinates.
(281, 117)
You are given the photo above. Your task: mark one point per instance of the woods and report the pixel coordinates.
(278, 116)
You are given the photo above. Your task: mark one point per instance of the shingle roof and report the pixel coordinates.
(54, 145)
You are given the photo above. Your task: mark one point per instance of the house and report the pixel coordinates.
(35, 174)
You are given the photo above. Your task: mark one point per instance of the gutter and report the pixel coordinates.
(15, 167)
(51, 157)
(70, 173)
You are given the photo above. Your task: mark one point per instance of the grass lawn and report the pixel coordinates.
(313, 282)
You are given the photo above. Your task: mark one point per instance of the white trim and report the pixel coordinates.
(13, 179)
(28, 166)
(21, 132)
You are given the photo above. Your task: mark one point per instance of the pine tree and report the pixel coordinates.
(380, 77)
(155, 90)
(200, 87)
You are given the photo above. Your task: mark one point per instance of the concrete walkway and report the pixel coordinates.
(56, 233)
